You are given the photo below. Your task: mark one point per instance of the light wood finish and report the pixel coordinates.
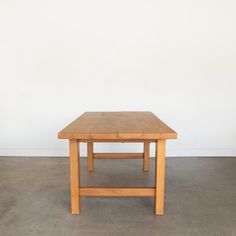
(111, 192)
(118, 155)
(117, 125)
(74, 175)
(146, 158)
(117, 140)
(160, 177)
(90, 162)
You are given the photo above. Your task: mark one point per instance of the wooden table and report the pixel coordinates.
(117, 127)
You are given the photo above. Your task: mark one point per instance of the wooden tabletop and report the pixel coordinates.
(117, 126)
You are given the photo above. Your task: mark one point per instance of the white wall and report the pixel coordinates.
(61, 58)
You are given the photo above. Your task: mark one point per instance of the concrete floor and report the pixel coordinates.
(200, 198)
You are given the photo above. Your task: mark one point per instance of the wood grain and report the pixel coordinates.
(117, 140)
(90, 162)
(160, 177)
(118, 155)
(117, 125)
(111, 192)
(74, 176)
(146, 158)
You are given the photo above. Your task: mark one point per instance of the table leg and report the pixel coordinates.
(90, 161)
(160, 177)
(74, 175)
(146, 158)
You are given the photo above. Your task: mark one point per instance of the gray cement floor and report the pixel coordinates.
(200, 198)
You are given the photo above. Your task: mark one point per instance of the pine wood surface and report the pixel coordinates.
(117, 125)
